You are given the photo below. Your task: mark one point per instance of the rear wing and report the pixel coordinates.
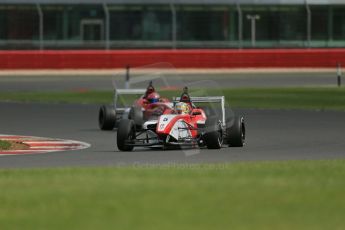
(118, 92)
(210, 99)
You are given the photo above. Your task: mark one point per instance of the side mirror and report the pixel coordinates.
(196, 113)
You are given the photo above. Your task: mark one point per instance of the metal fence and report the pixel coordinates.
(120, 26)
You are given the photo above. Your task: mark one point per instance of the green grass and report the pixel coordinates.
(4, 145)
(288, 98)
(273, 195)
(268, 98)
(89, 97)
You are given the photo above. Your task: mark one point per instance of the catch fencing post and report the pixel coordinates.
(174, 26)
(240, 25)
(308, 23)
(253, 19)
(40, 25)
(339, 74)
(107, 26)
(127, 85)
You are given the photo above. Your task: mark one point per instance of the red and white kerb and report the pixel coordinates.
(37, 145)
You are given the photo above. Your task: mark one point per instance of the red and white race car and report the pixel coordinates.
(184, 124)
(149, 103)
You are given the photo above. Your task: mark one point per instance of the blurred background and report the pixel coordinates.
(123, 24)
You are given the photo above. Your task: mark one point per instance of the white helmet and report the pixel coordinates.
(182, 108)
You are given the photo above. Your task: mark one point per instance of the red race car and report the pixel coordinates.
(185, 124)
(150, 103)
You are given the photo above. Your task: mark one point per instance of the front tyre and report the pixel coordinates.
(106, 118)
(125, 133)
(236, 134)
(213, 136)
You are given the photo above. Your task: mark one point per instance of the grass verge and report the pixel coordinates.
(4, 145)
(12, 145)
(276, 195)
(267, 98)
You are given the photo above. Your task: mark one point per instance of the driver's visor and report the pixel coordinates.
(153, 100)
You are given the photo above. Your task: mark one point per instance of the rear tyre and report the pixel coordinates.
(213, 136)
(136, 114)
(236, 134)
(106, 117)
(125, 132)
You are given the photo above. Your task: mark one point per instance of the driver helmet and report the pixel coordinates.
(182, 108)
(153, 97)
(185, 98)
(150, 90)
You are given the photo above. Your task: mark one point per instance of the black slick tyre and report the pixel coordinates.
(236, 134)
(106, 117)
(213, 136)
(125, 133)
(136, 114)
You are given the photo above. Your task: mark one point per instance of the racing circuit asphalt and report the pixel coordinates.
(271, 134)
